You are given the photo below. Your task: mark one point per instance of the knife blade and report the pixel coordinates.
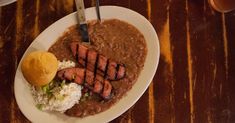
(82, 20)
(98, 10)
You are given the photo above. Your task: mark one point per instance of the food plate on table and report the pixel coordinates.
(114, 102)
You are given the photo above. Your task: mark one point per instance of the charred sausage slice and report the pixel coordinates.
(121, 71)
(98, 86)
(106, 90)
(111, 70)
(97, 63)
(94, 82)
(76, 74)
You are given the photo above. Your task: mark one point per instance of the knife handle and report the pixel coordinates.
(80, 11)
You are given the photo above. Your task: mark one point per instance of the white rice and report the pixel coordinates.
(66, 64)
(60, 98)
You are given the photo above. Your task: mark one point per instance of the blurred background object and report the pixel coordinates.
(6, 2)
(223, 5)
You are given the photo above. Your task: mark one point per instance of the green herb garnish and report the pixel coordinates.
(62, 83)
(51, 84)
(39, 106)
(45, 88)
(86, 94)
(73, 77)
(60, 97)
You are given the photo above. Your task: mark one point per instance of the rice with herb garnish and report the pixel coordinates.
(59, 98)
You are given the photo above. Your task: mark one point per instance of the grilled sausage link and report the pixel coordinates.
(97, 63)
(94, 82)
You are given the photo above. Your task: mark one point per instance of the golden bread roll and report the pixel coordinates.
(39, 67)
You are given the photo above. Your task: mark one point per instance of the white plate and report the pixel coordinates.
(24, 98)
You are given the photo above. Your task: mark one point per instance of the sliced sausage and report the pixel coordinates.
(76, 74)
(97, 63)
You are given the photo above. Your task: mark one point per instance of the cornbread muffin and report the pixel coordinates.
(39, 67)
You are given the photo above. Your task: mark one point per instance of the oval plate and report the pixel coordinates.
(23, 95)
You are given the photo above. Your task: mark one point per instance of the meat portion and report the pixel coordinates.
(94, 82)
(106, 89)
(72, 74)
(97, 63)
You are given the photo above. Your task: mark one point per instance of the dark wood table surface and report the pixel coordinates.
(195, 79)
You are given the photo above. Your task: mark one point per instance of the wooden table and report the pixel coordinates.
(195, 80)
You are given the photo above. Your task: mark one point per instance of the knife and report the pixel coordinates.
(82, 20)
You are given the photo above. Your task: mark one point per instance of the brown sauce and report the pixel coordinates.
(115, 39)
